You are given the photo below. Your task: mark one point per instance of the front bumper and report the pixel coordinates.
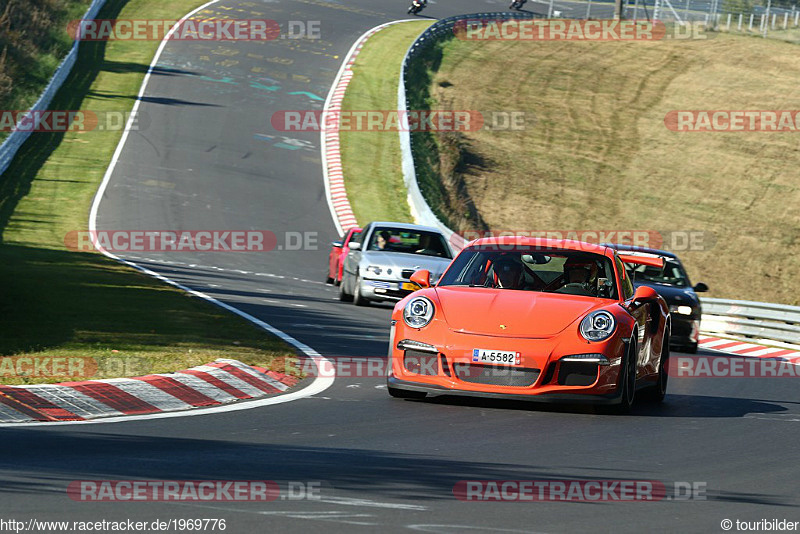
(685, 330)
(386, 289)
(576, 398)
(448, 365)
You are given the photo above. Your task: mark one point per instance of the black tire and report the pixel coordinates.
(344, 296)
(691, 349)
(406, 394)
(659, 390)
(358, 298)
(328, 280)
(628, 381)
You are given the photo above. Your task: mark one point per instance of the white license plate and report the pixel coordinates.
(497, 357)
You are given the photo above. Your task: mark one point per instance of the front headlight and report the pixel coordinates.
(681, 310)
(374, 269)
(418, 312)
(598, 326)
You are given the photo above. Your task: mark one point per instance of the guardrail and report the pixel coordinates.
(752, 320)
(14, 142)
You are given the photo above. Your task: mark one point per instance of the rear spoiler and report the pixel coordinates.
(643, 259)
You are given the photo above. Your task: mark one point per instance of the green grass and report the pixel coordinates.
(371, 159)
(60, 303)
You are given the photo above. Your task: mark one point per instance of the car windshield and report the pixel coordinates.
(672, 274)
(410, 242)
(533, 269)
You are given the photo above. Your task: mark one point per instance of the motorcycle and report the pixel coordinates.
(517, 4)
(416, 7)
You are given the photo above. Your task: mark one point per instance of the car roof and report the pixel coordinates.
(634, 248)
(565, 244)
(406, 226)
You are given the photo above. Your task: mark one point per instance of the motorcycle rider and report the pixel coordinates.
(419, 5)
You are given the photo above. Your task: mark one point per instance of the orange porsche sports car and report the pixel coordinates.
(536, 319)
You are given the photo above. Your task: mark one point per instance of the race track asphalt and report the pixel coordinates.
(209, 159)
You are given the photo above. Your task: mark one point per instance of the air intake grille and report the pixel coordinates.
(496, 376)
(577, 373)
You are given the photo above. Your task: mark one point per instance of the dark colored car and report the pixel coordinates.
(339, 250)
(674, 285)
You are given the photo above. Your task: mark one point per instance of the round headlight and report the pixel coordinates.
(598, 326)
(418, 312)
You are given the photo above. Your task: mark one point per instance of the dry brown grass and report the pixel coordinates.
(595, 153)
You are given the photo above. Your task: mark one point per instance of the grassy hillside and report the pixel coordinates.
(595, 153)
(33, 41)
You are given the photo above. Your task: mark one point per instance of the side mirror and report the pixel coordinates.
(644, 294)
(355, 245)
(337, 244)
(422, 278)
(700, 288)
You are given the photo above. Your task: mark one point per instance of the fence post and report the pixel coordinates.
(796, 16)
(686, 11)
(739, 26)
(588, 9)
(785, 20)
(774, 16)
(750, 27)
(729, 22)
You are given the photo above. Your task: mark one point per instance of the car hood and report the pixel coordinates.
(398, 261)
(673, 294)
(523, 313)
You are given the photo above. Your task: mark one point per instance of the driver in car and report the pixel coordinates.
(580, 277)
(382, 241)
(508, 273)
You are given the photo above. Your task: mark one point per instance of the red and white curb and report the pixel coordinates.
(751, 350)
(335, 191)
(221, 382)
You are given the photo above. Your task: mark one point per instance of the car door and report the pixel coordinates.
(639, 311)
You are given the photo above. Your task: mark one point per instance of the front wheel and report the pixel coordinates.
(344, 296)
(659, 390)
(406, 394)
(358, 298)
(627, 380)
